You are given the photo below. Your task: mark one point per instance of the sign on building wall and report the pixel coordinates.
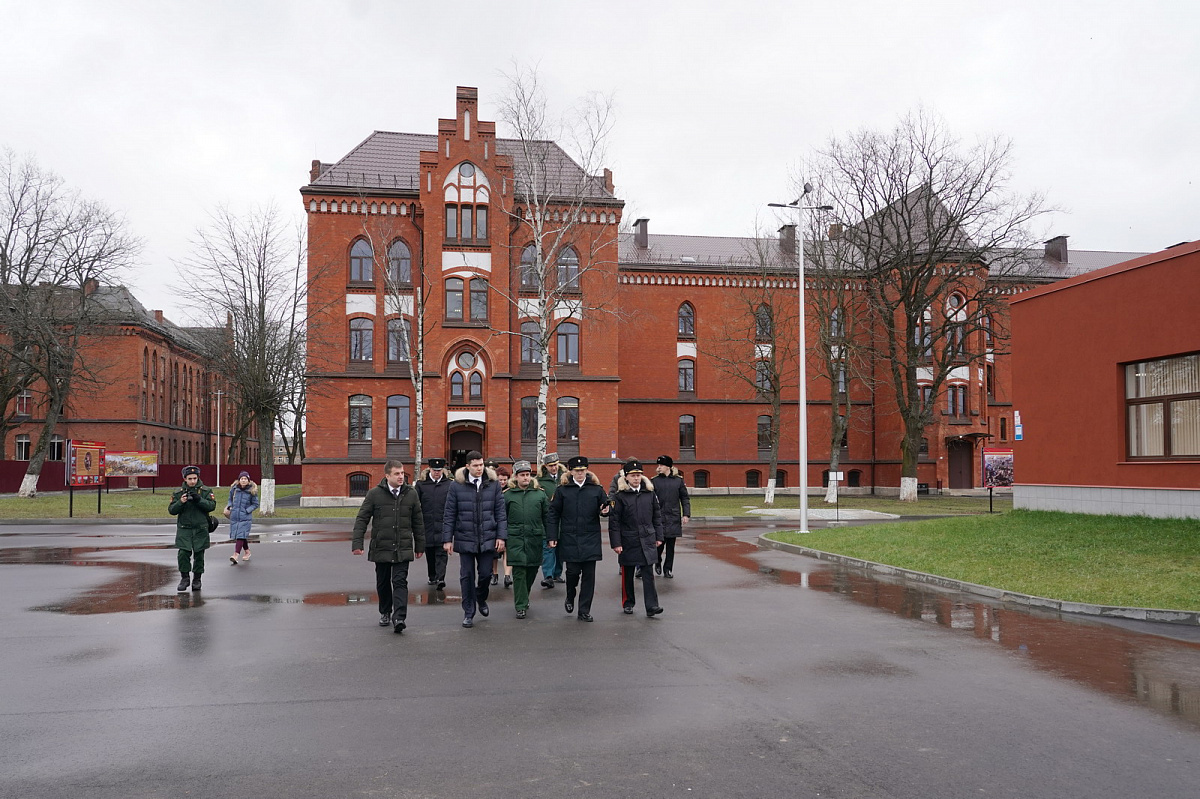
(85, 463)
(131, 464)
(997, 467)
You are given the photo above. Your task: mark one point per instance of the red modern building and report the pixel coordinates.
(1106, 375)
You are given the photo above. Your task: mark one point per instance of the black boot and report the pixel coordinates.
(196, 583)
(185, 582)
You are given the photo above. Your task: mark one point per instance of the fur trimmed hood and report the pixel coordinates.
(252, 488)
(424, 475)
(623, 485)
(674, 472)
(512, 484)
(461, 475)
(544, 473)
(567, 478)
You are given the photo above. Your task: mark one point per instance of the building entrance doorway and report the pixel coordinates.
(958, 457)
(462, 441)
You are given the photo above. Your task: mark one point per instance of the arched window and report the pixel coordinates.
(400, 343)
(399, 264)
(687, 433)
(475, 382)
(687, 321)
(568, 269)
(361, 257)
(360, 417)
(528, 269)
(853, 478)
(362, 331)
(359, 484)
(568, 343)
(753, 478)
(700, 478)
(568, 419)
(529, 419)
(531, 349)
(466, 191)
(457, 381)
(764, 432)
(687, 376)
(780, 478)
(397, 418)
(479, 300)
(454, 299)
(21, 450)
(764, 326)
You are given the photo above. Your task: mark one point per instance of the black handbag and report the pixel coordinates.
(213, 523)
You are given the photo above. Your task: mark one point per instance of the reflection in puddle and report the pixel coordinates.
(1163, 674)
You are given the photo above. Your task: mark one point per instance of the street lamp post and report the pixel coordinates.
(219, 394)
(802, 401)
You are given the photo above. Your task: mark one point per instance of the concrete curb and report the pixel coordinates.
(1010, 597)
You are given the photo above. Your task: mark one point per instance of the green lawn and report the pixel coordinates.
(139, 504)
(924, 506)
(1108, 560)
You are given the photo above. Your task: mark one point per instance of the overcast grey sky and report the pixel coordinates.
(164, 110)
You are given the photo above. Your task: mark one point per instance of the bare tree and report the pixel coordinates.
(932, 225)
(249, 272)
(55, 248)
(564, 221)
(758, 345)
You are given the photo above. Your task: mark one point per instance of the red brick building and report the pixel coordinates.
(1107, 377)
(436, 212)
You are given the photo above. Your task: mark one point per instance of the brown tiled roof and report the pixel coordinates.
(387, 160)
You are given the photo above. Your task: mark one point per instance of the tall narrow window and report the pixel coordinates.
(397, 418)
(687, 432)
(764, 328)
(568, 269)
(835, 324)
(475, 382)
(479, 300)
(1004, 428)
(360, 262)
(926, 393)
(360, 417)
(481, 222)
(568, 418)
(400, 342)
(923, 336)
(687, 321)
(361, 333)
(990, 375)
(764, 432)
(57, 448)
(466, 212)
(762, 375)
(687, 376)
(452, 221)
(956, 401)
(568, 343)
(457, 383)
(528, 269)
(399, 264)
(25, 403)
(454, 298)
(529, 419)
(531, 346)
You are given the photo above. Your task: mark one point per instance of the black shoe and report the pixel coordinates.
(652, 612)
(569, 605)
(628, 609)
(637, 573)
(520, 614)
(399, 628)
(585, 617)
(467, 622)
(441, 585)
(385, 619)
(559, 579)
(196, 583)
(658, 568)
(185, 583)
(495, 579)
(668, 575)
(507, 581)
(432, 581)
(547, 583)
(484, 610)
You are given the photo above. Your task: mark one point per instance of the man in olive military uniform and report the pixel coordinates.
(190, 505)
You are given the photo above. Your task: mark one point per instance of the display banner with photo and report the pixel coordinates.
(131, 464)
(997, 467)
(85, 463)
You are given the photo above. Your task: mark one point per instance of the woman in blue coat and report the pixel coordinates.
(243, 501)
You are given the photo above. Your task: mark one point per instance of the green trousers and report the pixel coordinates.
(523, 577)
(185, 561)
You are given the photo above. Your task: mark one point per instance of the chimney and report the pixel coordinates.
(1056, 249)
(608, 181)
(787, 239)
(641, 233)
(314, 171)
(89, 286)
(158, 317)
(835, 231)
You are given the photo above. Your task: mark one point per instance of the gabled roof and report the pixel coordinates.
(1143, 260)
(117, 305)
(389, 160)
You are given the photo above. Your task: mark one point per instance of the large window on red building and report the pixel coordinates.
(568, 419)
(529, 419)
(568, 344)
(362, 331)
(399, 264)
(686, 321)
(687, 435)
(360, 418)
(568, 269)
(361, 257)
(1162, 399)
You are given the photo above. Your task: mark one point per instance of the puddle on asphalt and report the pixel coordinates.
(1160, 673)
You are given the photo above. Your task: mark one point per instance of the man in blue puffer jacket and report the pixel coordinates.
(475, 525)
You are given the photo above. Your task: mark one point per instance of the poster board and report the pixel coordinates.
(997, 467)
(131, 464)
(85, 463)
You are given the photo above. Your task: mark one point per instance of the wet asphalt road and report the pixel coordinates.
(768, 675)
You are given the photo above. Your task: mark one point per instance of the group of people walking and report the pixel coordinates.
(550, 523)
(191, 504)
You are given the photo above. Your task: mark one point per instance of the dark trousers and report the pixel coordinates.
(649, 593)
(474, 579)
(436, 559)
(668, 545)
(186, 556)
(239, 544)
(552, 565)
(391, 583)
(582, 574)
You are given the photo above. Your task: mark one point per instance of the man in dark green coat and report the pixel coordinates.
(397, 538)
(527, 506)
(190, 505)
